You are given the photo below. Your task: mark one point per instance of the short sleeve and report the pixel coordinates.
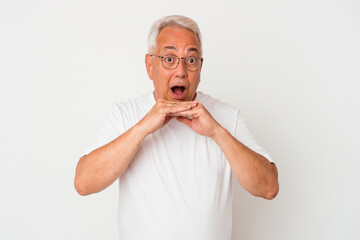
(111, 127)
(243, 135)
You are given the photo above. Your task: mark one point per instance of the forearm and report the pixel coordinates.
(103, 166)
(253, 171)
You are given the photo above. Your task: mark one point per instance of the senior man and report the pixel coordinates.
(174, 149)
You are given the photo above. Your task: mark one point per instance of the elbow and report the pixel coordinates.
(79, 181)
(273, 186)
(80, 187)
(272, 191)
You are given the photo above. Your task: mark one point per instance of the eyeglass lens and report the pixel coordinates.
(172, 61)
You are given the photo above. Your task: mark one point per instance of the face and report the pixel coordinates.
(177, 84)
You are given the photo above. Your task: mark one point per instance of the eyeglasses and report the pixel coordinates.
(172, 61)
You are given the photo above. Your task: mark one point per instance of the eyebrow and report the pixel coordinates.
(192, 49)
(170, 48)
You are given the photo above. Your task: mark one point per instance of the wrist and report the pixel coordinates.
(219, 133)
(140, 130)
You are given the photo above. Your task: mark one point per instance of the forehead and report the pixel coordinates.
(178, 40)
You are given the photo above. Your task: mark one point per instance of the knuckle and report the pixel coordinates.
(161, 104)
(160, 101)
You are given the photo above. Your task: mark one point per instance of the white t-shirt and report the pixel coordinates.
(178, 185)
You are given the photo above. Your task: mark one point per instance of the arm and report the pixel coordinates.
(253, 171)
(99, 169)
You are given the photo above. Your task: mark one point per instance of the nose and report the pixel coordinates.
(181, 71)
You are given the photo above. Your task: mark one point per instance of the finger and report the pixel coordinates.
(190, 103)
(180, 102)
(186, 113)
(178, 109)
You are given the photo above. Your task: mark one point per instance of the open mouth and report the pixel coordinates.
(178, 92)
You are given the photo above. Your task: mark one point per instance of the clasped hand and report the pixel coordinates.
(163, 111)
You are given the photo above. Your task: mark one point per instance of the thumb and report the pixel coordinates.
(184, 120)
(167, 120)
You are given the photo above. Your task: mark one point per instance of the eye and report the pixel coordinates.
(168, 59)
(192, 60)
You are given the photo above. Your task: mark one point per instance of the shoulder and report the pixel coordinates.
(129, 112)
(215, 105)
(140, 103)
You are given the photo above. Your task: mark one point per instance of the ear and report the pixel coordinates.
(148, 64)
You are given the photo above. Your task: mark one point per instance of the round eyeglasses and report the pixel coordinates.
(172, 61)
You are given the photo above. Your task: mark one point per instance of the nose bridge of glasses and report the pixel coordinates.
(176, 65)
(184, 62)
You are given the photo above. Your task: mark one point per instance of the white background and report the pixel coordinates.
(291, 67)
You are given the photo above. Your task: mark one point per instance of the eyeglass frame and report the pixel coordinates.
(178, 60)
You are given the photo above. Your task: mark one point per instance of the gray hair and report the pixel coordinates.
(171, 21)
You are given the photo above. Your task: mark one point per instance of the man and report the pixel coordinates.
(173, 150)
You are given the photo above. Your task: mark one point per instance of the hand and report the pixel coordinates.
(202, 122)
(161, 114)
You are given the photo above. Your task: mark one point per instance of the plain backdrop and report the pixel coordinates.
(291, 67)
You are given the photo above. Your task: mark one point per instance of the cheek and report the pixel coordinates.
(162, 81)
(195, 80)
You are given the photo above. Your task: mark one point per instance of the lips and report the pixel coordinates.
(178, 92)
